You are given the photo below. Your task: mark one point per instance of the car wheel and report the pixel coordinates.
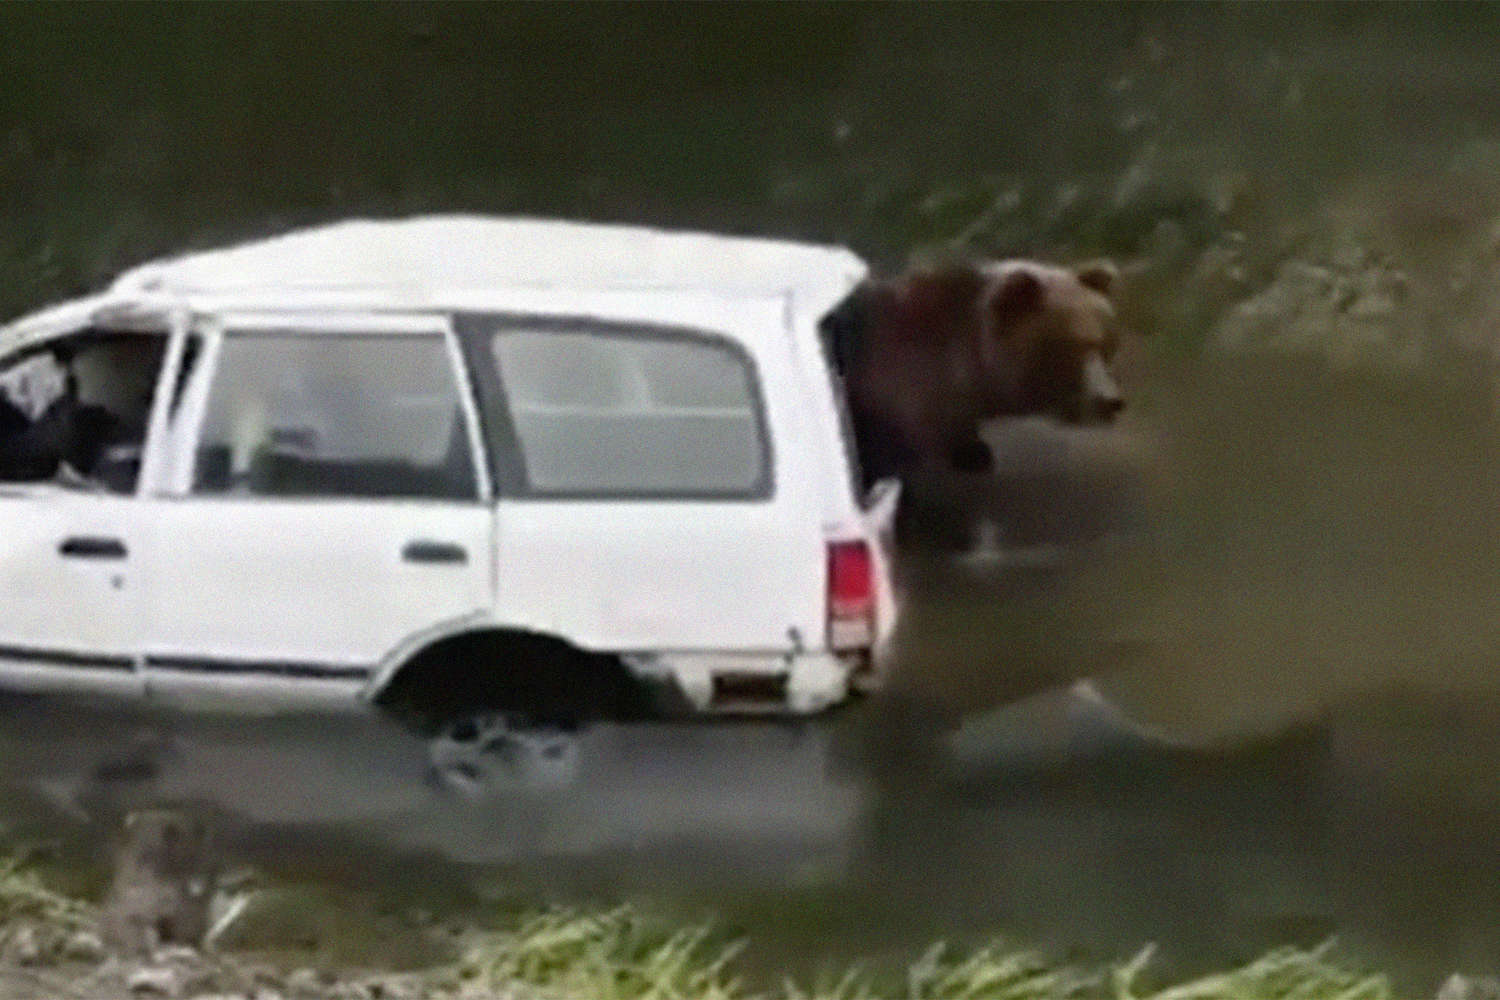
(480, 754)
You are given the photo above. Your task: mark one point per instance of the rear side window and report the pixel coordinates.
(334, 415)
(632, 412)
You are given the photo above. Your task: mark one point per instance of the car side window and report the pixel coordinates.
(633, 412)
(314, 414)
(75, 409)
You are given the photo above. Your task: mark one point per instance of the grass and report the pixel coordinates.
(623, 954)
(26, 896)
(630, 952)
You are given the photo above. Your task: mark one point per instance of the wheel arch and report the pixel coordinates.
(478, 663)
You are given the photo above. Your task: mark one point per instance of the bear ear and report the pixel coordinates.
(1100, 275)
(1020, 292)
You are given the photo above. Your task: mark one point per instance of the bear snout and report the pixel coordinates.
(1098, 399)
(1081, 392)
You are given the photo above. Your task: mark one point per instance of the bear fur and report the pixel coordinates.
(928, 356)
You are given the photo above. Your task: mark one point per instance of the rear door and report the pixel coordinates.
(658, 488)
(325, 501)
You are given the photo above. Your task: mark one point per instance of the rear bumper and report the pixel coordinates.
(793, 684)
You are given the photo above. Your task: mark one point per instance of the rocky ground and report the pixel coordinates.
(52, 946)
(191, 975)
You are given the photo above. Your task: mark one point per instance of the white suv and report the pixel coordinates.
(502, 475)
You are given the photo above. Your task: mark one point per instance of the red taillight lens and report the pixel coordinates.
(851, 595)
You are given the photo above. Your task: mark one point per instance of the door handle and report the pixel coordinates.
(92, 547)
(434, 552)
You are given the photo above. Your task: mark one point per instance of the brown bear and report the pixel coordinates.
(928, 356)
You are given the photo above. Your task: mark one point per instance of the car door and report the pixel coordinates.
(325, 501)
(70, 538)
(69, 615)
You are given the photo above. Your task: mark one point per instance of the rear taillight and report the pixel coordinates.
(851, 595)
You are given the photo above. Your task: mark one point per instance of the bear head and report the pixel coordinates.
(926, 357)
(1047, 336)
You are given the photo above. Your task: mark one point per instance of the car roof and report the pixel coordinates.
(421, 261)
(428, 254)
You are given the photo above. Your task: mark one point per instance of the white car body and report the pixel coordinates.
(168, 592)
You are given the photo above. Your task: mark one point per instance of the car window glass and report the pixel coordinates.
(75, 409)
(293, 414)
(632, 412)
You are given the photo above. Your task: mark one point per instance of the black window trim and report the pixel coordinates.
(476, 330)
